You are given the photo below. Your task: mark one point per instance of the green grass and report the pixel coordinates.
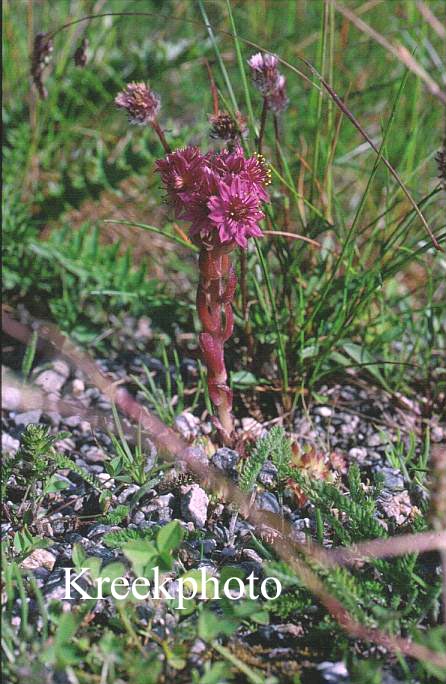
(307, 305)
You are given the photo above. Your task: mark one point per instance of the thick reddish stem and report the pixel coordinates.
(215, 294)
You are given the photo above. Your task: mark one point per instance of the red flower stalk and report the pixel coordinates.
(220, 194)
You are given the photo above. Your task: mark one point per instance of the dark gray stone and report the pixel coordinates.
(226, 459)
(266, 501)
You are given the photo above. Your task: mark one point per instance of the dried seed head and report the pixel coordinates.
(225, 127)
(440, 158)
(141, 103)
(80, 56)
(268, 80)
(41, 57)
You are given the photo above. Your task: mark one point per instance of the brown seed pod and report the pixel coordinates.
(80, 56)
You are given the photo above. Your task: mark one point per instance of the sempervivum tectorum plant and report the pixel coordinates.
(220, 194)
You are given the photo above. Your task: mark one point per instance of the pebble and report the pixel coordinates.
(72, 421)
(50, 381)
(208, 546)
(138, 517)
(374, 441)
(95, 455)
(40, 558)
(358, 454)
(28, 417)
(266, 501)
(164, 515)
(324, 411)
(187, 425)
(11, 398)
(393, 479)
(127, 493)
(438, 434)
(9, 444)
(164, 501)
(333, 673)
(194, 504)
(253, 427)
(78, 386)
(396, 506)
(226, 459)
(268, 474)
(60, 366)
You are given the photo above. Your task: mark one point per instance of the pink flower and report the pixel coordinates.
(235, 212)
(141, 103)
(257, 172)
(253, 170)
(196, 208)
(181, 172)
(220, 194)
(267, 79)
(264, 71)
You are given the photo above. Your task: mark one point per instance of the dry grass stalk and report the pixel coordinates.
(396, 49)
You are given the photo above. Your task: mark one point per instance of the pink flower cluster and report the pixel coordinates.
(267, 79)
(219, 193)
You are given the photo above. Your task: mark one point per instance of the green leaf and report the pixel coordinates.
(78, 556)
(169, 537)
(55, 485)
(230, 571)
(66, 629)
(30, 353)
(176, 656)
(113, 571)
(94, 566)
(140, 553)
(244, 379)
(218, 673)
(211, 625)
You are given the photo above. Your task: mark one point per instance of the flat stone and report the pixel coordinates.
(28, 417)
(266, 501)
(393, 479)
(194, 504)
(40, 558)
(50, 381)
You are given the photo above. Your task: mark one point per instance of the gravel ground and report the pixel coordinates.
(354, 425)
